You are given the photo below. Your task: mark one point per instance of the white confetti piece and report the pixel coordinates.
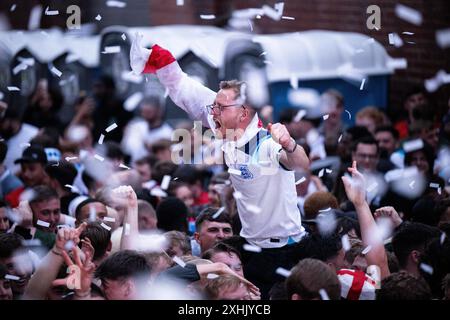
(111, 49)
(106, 226)
(426, 268)
(250, 24)
(56, 72)
(345, 243)
(13, 7)
(326, 116)
(12, 277)
(254, 209)
(73, 188)
(300, 114)
(111, 127)
(408, 14)
(69, 245)
(217, 214)
(133, 101)
(124, 166)
(234, 171)
(328, 170)
(123, 36)
(323, 294)
(24, 145)
(180, 3)
(12, 88)
(20, 67)
(361, 87)
(127, 229)
(179, 262)
(340, 138)
(408, 33)
(99, 158)
(442, 239)
(439, 191)
(301, 180)
(165, 182)
(237, 195)
(413, 145)
(251, 248)
(366, 250)
(49, 12)
(320, 175)
(397, 63)
(434, 185)
(443, 38)
(35, 17)
(412, 183)
(395, 40)
(109, 219)
(101, 139)
(71, 158)
(207, 16)
(131, 77)
(116, 4)
(43, 223)
(158, 192)
(294, 81)
(212, 276)
(1, 97)
(98, 17)
(283, 272)
(287, 18)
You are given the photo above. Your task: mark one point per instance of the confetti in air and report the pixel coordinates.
(71, 158)
(106, 226)
(99, 158)
(345, 243)
(443, 38)
(252, 208)
(251, 248)
(301, 180)
(366, 250)
(12, 88)
(179, 262)
(287, 18)
(326, 116)
(323, 294)
(49, 12)
(442, 239)
(283, 272)
(413, 145)
(207, 16)
(362, 84)
(165, 182)
(98, 17)
(217, 214)
(100, 140)
(395, 40)
(426, 268)
(397, 63)
(13, 7)
(123, 36)
(234, 171)
(124, 166)
(408, 14)
(56, 72)
(127, 229)
(111, 49)
(43, 223)
(109, 219)
(116, 4)
(12, 277)
(180, 3)
(111, 127)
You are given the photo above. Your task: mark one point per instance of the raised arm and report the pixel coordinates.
(356, 193)
(48, 269)
(188, 94)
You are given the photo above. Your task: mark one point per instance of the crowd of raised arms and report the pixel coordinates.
(97, 208)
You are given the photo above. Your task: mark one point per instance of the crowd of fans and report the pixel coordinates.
(96, 208)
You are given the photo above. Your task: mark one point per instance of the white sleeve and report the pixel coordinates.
(188, 94)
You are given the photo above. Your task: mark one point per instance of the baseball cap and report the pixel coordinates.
(33, 154)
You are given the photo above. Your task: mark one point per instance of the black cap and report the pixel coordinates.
(33, 154)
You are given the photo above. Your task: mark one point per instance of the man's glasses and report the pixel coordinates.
(217, 109)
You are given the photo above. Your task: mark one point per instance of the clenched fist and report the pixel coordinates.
(281, 135)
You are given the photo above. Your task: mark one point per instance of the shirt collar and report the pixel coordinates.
(252, 129)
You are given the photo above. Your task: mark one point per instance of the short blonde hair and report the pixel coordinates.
(373, 113)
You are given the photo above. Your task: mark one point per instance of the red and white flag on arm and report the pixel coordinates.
(143, 60)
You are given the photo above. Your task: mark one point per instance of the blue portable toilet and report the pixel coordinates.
(320, 60)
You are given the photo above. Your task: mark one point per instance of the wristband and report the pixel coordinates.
(293, 150)
(56, 252)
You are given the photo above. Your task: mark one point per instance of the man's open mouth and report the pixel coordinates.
(217, 123)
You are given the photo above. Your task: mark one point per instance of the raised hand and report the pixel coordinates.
(388, 212)
(124, 196)
(280, 134)
(355, 186)
(138, 54)
(65, 235)
(81, 274)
